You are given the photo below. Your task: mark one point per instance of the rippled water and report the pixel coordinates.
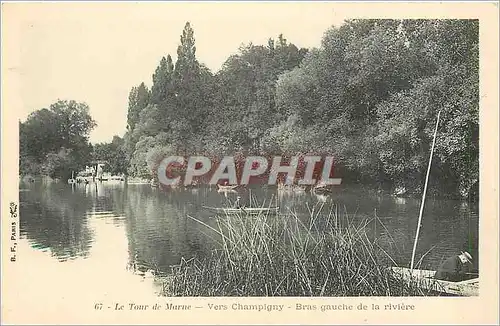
(118, 230)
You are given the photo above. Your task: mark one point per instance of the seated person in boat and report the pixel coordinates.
(456, 268)
(237, 202)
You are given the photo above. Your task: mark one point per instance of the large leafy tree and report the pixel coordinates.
(55, 141)
(244, 105)
(177, 106)
(162, 89)
(371, 94)
(407, 120)
(191, 98)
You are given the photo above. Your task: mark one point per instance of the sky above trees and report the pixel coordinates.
(96, 53)
(368, 94)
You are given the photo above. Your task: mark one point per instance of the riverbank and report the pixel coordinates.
(285, 256)
(28, 178)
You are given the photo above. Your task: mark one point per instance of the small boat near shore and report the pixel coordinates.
(244, 210)
(322, 188)
(154, 183)
(226, 192)
(425, 280)
(226, 188)
(291, 188)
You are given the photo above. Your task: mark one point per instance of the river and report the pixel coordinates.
(117, 232)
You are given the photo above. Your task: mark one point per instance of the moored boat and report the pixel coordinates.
(116, 178)
(245, 210)
(226, 188)
(400, 191)
(290, 188)
(154, 183)
(425, 280)
(322, 188)
(85, 177)
(72, 180)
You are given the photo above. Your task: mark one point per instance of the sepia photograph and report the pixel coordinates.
(183, 150)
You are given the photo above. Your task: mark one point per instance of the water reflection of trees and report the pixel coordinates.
(54, 217)
(159, 231)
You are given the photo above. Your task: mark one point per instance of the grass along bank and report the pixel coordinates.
(280, 255)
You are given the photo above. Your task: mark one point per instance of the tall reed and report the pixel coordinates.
(282, 255)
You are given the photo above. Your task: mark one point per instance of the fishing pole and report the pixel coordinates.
(424, 193)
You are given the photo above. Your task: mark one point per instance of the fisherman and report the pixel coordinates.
(456, 268)
(99, 172)
(237, 202)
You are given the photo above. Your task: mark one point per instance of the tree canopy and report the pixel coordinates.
(369, 96)
(55, 141)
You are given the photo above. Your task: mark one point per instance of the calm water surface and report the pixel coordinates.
(118, 229)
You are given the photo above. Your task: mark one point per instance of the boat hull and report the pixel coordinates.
(244, 211)
(285, 188)
(226, 188)
(425, 280)
(322, 190)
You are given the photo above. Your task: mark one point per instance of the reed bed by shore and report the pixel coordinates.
(282, 255)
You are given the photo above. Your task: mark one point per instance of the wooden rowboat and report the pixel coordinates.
(225, 192)
(226, 188)
(322, 188)
(290, 188)
(244, 210)
(425, 280)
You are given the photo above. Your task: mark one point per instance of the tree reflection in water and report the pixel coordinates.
(159, 233)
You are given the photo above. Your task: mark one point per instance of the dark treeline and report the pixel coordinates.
(55, 141)
(369, 96)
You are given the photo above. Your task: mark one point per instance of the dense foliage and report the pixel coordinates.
(54, 141)
(369, 96)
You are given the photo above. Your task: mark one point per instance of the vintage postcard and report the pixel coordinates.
(249, 163)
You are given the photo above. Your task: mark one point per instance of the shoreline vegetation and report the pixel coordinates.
(281, 255)
(367, 96)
